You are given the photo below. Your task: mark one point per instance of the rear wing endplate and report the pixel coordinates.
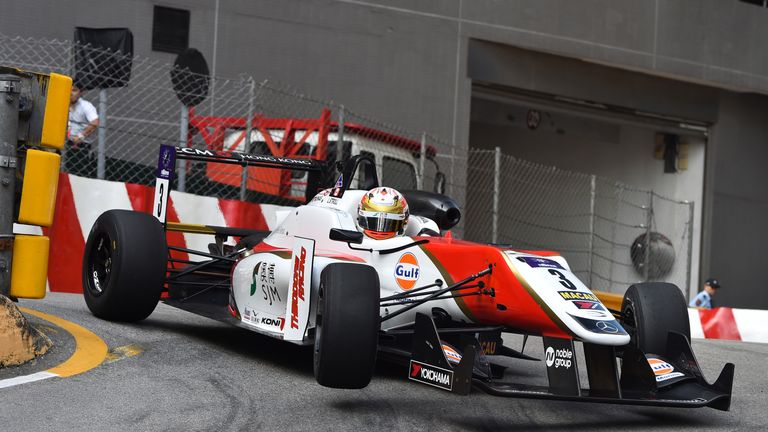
(166, 166)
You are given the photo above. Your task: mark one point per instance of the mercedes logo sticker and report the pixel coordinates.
(606, 327)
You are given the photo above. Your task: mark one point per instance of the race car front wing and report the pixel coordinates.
(672, 378)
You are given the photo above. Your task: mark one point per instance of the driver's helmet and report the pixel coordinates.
(382, 213)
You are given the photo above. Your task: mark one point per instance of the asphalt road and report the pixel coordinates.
(192, 373)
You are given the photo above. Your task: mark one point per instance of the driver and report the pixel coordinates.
(382, 213)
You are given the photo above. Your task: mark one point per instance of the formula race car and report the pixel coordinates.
(438, 304)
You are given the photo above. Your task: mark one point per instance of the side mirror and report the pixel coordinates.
(347, 236)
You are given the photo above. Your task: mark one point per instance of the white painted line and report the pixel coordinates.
(10, 382)
(751, 324)
(697, 331)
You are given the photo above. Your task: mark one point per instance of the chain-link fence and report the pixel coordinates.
(602, 227)
(613, 235)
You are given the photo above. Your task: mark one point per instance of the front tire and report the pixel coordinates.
(124, 265)
(347, 326)
(650, 311)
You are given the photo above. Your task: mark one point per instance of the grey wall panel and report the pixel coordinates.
(729, 35)
(397, 68)
(737, 202)
(558, 75)
(623, 24)
(738, 257)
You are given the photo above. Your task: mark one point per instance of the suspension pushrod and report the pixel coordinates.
(190, 269)
(411, 294)
(438, 293)
(193, 283)
(440, 298)
(205, 254)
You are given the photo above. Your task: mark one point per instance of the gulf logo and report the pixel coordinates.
(451, 354)
(660, 367)
(407, 271)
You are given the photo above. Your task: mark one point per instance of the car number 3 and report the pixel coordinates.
(563, 280)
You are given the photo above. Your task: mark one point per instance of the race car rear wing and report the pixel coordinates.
(166, 166)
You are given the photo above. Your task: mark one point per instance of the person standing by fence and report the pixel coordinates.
(83, 121)
(704, 298)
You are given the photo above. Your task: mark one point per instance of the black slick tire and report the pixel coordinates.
(650, 311)
(347, 330)
(124, 265)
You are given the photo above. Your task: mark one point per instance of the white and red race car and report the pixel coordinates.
(438, 303)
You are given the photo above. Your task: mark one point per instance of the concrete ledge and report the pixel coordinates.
(19, 341)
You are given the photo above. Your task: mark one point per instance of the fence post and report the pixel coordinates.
(618, 193)
(422, 157)
(648, 222)
(181, 165)
(592, 196)
(340, 135)
(496, 189)
(247, 139)
(9, 123)
(690, 252)
(101, 154)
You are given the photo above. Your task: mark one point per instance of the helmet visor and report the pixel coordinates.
(381, 221)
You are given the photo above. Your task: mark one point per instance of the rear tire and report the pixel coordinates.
(124, 265)
(650, 311)
(347, 326)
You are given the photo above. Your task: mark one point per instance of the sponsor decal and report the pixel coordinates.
(274, 322)
(96, 280)
(194, 151)
(537, 262)
(298, 283)
(663, 370)
(407, 271)
(489, 347)
(249, 315)
(431, 375)
(583, 304)
(559, 358)
(451, 354)
(338, 188)
(264, 275)
(597, 314)
(606, 327)
(578, 295)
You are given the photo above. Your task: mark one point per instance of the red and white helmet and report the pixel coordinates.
(382, 213)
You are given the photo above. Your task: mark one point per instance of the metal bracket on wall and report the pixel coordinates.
(8, 162)
(7, 86)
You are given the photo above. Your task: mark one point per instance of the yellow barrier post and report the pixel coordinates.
(33, 111)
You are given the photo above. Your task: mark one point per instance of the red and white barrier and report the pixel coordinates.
(81, 200)
(748, 325)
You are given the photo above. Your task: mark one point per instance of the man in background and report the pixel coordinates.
(704, 298)
(83, 121)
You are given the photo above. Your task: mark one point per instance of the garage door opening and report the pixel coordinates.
(617, 191)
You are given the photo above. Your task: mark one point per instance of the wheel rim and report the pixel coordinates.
(100, 267)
